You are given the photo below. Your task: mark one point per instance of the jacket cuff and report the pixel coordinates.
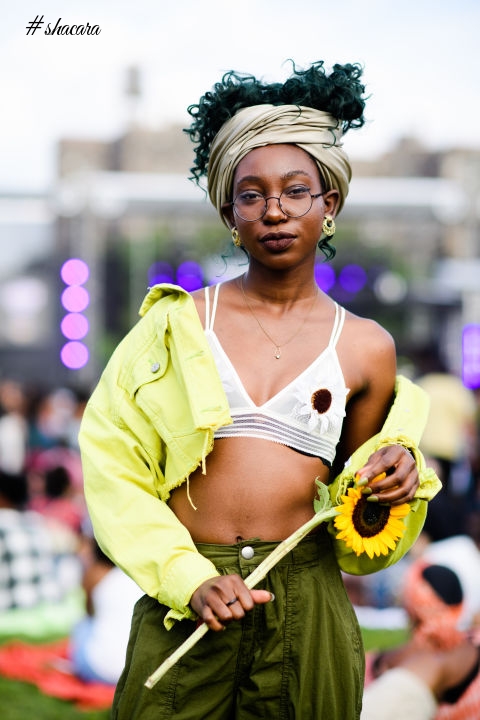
(187, 572)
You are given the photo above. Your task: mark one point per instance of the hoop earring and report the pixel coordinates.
(328, 226)
(236, 238)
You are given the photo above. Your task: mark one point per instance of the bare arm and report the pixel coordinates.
(373, 385)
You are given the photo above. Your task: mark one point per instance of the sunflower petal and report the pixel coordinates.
(363, 532)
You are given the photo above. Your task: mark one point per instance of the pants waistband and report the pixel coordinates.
(253, 552)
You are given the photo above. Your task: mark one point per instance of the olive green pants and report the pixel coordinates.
(300, 656)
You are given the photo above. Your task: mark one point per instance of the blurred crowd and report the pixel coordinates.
(54, 579)
(433, 594)
(48, 552)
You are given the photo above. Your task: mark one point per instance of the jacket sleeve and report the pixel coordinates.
(122, 456)
(403, 426)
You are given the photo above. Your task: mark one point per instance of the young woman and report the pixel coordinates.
(217, 414)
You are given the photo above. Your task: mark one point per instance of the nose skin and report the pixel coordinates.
(273, 210)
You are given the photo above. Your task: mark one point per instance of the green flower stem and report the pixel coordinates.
(253, 579)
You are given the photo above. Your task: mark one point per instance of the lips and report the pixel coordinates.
(277, 241)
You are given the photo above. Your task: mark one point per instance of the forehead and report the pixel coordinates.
(274, 161)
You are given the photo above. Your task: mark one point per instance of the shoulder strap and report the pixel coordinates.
(215, 303)
(210, 318)
(207, 307)
(337, 325)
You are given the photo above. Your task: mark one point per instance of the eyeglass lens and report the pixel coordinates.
(252, 205)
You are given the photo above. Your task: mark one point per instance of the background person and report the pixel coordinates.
(28, 577)
(98, 642)
(436, 674)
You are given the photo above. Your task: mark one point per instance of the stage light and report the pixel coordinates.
(74, 325)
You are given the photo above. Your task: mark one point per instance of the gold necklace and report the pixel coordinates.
(277, 347)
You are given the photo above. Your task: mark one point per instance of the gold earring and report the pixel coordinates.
(328, 226)
(236, 238)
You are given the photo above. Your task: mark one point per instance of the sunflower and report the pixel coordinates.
(370, 528)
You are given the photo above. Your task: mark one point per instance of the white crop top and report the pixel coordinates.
(306, 415)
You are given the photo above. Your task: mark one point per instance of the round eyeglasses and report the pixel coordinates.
(295, 202)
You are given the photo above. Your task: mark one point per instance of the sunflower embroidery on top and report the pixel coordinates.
(320, 406)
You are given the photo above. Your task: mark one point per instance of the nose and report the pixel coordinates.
(275, 209)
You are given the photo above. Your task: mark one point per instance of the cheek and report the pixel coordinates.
(315, 224)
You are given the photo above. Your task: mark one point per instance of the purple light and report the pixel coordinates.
(352, 278)
(160, 272)
(190, 276)
(74, 355)
(74, 272)
(74, 326)
(471, 356)
(325, 276)
(75, 298)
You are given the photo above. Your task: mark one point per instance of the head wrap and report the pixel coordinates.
(437, 619)
(315, 131)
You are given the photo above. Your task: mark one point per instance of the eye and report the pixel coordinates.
(298, 192)
(248, 197)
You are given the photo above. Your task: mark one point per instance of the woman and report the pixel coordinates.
(218, 412)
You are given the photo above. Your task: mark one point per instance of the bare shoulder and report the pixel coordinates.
(367, 354)
(200, 297)
(369, 333)
(199, 300)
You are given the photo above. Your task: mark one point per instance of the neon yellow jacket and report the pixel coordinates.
(403, 426)
(148, 425)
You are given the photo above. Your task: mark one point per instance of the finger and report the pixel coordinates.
(398, 494)
(245, 600)
(211, 620)
(385, 460)
(261, 597)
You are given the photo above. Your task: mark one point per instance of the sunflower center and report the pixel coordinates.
(368, 518)
(321, 400)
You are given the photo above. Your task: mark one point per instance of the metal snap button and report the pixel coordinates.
(247, 552)
(155, 367)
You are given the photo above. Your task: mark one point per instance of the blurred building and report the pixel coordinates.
(27, 299)
(126, 208)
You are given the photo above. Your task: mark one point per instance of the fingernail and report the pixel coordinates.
(372, 498)
(367, 491)
(272, 597)
(362, 481)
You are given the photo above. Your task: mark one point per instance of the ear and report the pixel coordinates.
(227, 212)
(331, 200)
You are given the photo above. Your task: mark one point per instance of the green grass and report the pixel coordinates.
(376, 639)
(22, 701)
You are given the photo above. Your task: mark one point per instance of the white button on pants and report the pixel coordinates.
(247, 552)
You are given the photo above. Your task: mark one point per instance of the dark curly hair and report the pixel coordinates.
(340, 93)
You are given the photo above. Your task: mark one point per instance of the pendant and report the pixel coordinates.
(278, 354)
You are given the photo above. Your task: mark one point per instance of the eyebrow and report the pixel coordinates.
(285, 176)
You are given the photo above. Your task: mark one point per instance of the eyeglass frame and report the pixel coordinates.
(313, 196)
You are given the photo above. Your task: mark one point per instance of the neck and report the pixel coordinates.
(278, 291)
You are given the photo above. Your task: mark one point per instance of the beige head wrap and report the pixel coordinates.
(316, 132)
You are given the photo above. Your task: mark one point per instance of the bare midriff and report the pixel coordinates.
(252, 489)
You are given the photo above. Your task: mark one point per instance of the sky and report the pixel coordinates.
(421, 63)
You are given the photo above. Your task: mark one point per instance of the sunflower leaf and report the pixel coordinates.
(322, 502)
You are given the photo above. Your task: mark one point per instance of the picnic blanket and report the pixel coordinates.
(47, 666)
